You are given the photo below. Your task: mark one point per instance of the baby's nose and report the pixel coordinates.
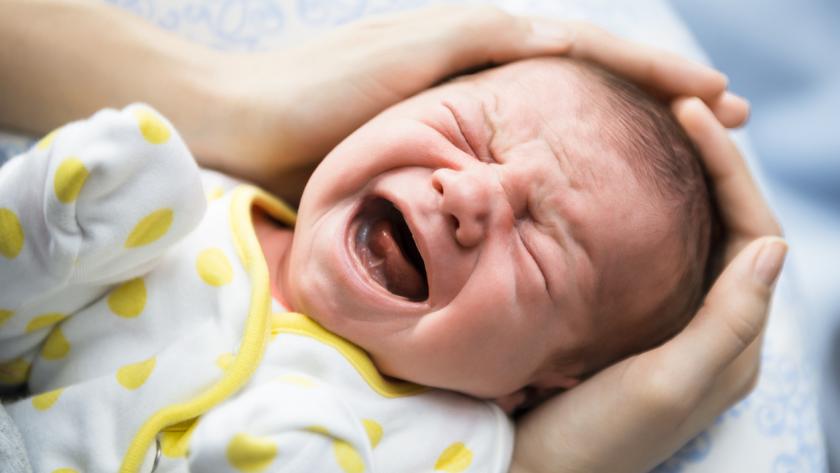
(467, 198)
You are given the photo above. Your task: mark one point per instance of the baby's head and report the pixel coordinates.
(520, 227)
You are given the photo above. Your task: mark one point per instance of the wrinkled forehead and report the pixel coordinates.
(531, 77)
(547, 89)
(555, 101)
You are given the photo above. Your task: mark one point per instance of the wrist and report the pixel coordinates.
(200, 105)
(241, 122)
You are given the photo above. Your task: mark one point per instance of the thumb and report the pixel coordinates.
(733, 314)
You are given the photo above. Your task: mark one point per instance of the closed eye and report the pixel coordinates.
(525, 236)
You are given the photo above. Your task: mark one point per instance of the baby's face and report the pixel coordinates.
(480, 237)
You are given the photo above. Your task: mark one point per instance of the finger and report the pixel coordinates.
(731, 110)
(743, 209)
(448, 39)
(656, 69)
(732, 317)
(480, 35)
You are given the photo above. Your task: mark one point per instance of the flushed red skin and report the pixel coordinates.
(529, 226)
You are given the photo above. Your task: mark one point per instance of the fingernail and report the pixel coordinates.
(768, 264)
(550, 31)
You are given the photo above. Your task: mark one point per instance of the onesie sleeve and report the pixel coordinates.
(282, 426)
(95, 202)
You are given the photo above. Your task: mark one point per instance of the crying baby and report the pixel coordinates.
(485, 243)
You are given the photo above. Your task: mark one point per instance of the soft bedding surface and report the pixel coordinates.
(776, 428)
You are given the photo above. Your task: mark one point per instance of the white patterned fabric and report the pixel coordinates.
(776, 428)
(130, 311)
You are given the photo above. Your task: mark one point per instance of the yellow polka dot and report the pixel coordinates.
(374, 431)
(134, 375)
(347, 457)
(11, 234)
(44, 321)
(56, 346)
(128, 299)
(249, 453)
(297, 379)
(65, 470)
(44, 401)
(70, 177)
(224, 360)
(213, 267)
(47, 140)
(455, 459)
(215, 192)
(318, 429)
(154, 130)
(14, 371)
(5, 315)
(150, 228)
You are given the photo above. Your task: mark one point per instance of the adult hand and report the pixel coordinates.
(286, 109)
(635, 414)
(271, 116)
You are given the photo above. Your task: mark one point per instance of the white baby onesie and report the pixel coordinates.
(143, 324)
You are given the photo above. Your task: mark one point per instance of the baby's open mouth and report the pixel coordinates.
(386, 249)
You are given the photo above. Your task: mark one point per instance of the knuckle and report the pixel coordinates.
(492, 13)
(662, 393)
(493, 31)
(488, 18)
(743, 329)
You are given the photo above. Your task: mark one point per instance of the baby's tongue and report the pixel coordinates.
(397, 274)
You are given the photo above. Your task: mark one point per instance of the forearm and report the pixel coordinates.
(61, 60)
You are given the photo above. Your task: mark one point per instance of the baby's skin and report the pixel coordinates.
(536, 246)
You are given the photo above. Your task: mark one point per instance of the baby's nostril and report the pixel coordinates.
(455, 223)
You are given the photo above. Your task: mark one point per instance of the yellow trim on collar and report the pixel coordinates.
(299, 324)
(256, 329)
